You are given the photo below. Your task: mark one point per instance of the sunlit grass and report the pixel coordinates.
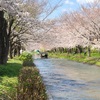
(8, 77)
(8, 86)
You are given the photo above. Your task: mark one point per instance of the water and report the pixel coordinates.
(67, 80)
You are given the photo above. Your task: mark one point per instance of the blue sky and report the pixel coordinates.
(67, 6)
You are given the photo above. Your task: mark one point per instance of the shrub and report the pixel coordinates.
(30, 85)
(26, 58)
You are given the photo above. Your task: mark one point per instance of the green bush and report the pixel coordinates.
(26, 58)
(30, 85)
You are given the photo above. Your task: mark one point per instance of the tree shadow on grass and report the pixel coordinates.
(10, 69)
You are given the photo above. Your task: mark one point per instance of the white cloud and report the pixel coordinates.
(64, 10)
(67, 10)
(69, 2)
(85, 1)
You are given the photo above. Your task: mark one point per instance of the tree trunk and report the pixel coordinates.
(10, 51)
(1, 38)
(89, 51)
(6, 50)
(18, 49)
(4, 41)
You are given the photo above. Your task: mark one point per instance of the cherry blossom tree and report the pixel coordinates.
(23, 19)
(83, 26)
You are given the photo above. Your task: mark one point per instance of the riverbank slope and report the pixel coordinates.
(94, 59)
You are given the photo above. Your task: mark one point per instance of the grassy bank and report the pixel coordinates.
(9, 78)
(20, 83)
(94, 59)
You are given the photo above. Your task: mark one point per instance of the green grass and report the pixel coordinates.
(94, 59)
(9, 77)
(11, 69)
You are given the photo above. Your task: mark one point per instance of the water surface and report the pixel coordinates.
(68, 80)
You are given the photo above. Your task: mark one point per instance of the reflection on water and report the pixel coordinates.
(67, 80)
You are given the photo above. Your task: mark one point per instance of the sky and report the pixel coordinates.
(67, 6)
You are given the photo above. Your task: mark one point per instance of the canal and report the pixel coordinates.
(68, 80)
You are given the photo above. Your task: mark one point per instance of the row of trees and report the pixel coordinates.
(23, 21)
(85, 23)
(75, 50)
(20, 22)
(80, 27)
